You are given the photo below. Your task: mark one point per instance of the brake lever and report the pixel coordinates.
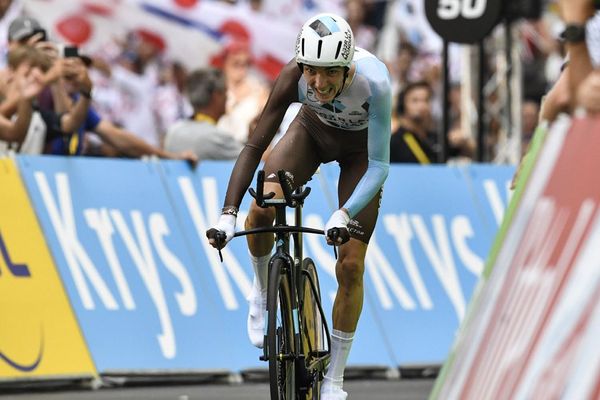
(220, 237)
(335, 233)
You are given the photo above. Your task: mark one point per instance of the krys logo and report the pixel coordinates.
(18, 271)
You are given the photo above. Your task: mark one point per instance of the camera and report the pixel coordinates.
(70, 51)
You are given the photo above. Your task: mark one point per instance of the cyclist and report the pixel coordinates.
(346, 117)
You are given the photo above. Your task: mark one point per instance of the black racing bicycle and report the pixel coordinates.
(297, 340)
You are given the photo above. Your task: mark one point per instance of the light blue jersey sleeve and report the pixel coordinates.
(379, 133)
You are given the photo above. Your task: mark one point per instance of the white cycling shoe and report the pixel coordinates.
(329, 392)
(257, 307)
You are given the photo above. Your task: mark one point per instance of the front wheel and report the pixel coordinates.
(312, 329)
(280, 334)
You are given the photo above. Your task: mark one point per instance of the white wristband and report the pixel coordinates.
(227, 224)
(339, 219)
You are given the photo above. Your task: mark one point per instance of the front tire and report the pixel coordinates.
(313, 334)
(280, 334)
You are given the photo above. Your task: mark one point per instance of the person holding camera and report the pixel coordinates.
(48, 129)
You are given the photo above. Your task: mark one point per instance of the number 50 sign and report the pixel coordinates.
(463, 21)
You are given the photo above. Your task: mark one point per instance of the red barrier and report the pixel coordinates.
(533, 332)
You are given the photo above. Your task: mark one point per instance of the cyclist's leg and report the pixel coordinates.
(349, 271)
(295, 153)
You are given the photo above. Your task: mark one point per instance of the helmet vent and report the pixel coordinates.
(337, 52)
(319, 48)
(302, 47)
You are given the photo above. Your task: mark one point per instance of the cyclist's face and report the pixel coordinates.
(326, 81)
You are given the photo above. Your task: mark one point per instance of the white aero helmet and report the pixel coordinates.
(325, 40)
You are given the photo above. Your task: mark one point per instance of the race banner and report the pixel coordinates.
(533, 330)
(39, 335)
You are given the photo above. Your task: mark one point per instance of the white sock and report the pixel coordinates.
(341, 342)
(261, 270)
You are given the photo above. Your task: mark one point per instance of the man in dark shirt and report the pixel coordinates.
(412, 141)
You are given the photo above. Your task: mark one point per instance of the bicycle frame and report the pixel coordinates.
(292, 266)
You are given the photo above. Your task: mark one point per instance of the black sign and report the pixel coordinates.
(463, 21)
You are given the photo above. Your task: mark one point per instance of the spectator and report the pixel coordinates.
(27, 83)
(246, 94)
(582, 42)
(412, 141)
(207, 92)
(58, 130)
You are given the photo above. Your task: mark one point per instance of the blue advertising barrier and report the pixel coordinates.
(196, 198)
(429, 249)
(128, 238)
(132, 281)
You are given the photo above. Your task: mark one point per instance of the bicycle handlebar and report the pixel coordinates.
(275, 229)
(292, 199)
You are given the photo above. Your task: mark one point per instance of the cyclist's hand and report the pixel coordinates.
(336, 229)
(226, 226)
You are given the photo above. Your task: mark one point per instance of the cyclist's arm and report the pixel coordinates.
(284, 93)
(379, 131)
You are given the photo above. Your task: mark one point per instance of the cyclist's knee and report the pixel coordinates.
(258, 216)
(350, 271)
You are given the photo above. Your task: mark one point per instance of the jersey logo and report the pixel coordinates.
(336, 107)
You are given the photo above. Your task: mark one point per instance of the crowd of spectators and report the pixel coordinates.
(130, 100)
